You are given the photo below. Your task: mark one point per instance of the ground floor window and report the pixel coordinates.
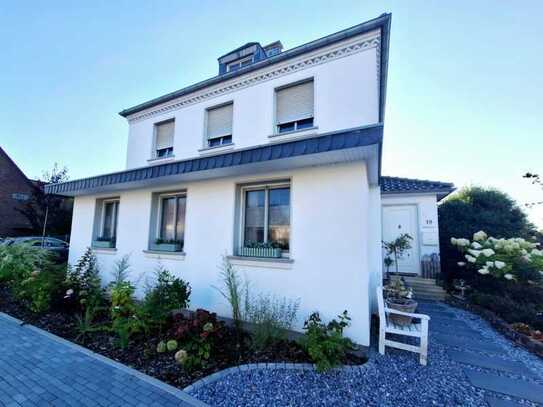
(266, 216)
(171, 220)
(105, 230)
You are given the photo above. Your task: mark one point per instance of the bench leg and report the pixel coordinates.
(381, 341)
(424, 343)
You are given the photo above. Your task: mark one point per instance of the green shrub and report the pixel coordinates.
(168, 294)
(126, 314)
(272, 317)
(31, 275)
(83, 281)
(325, 343)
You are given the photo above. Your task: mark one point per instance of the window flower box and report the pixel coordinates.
(104, 244)
(167, 246)
(270, 252)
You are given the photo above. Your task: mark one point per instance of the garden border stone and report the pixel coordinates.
(212, 378)
(180, 394)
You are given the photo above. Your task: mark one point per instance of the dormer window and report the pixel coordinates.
(219, 125)
(240, 63)
(164, 133)
(295, 107)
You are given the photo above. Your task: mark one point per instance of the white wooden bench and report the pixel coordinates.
(418, 328)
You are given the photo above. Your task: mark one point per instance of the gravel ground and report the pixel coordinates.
(395, 379)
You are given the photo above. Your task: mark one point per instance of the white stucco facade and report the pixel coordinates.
(332, 241)
(345, 96)
(426, 230)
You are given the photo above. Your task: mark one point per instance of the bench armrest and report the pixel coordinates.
(407, 314)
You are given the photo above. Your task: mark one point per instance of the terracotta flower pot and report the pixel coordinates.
(404, 305)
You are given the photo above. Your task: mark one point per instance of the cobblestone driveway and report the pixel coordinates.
(38, 369)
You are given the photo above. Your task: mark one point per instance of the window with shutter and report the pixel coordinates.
(219, 125)
(295, 107)
(164, 139)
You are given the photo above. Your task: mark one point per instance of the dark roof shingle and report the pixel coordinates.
(397, 185)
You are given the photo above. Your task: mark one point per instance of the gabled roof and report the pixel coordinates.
(382, 22)
(397, 185)
(15, 167)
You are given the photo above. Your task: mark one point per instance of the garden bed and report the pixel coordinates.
(142, 354)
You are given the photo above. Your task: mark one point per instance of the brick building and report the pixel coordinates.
(15, 190)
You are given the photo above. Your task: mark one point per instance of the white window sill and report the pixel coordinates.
(104, 250)
(158, 254)
(161, 159)
(294, 133)
(216, 149)
(263, 262)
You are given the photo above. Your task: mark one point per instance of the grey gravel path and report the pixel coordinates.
(396, 379)
(39, 369)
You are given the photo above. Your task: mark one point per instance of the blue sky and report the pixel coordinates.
(465, 90)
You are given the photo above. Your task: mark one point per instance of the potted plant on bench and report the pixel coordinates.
(400, 297)
(167, 245)
(103, 242)
(260, 249)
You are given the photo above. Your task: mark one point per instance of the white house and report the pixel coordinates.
(282, 149)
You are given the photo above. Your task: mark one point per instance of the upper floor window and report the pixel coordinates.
(164, 133)
(240, 63)
(294, 107)
(219, 125)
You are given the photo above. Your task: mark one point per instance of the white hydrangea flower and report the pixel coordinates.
(508, 276)
(488, 252)
(471, 259)
(483, 271)
(480, 235)
(461, 263)
(475, 253)
(454, 241)
(490, 264)
(476, 245)
(499, 264)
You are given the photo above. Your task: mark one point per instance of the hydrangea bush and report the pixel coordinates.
(511, 259)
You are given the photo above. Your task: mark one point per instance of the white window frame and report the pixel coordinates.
(267, 186)
(154, 153)
(113, 218)
(286, 86)
(238, 63)
(161, 198)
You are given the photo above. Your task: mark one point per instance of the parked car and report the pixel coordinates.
(59, 247)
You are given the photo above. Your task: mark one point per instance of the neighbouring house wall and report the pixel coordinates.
(15, 188)
(345, 96)
(428, 227)
(375, 247)
(331, 242)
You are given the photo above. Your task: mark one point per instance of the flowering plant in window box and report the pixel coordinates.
(103, 242)
(259, 249)
(167, 245)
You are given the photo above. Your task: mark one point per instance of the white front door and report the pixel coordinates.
(396, 221)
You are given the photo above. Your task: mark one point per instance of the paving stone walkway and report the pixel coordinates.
(489, 362)
(39, 369)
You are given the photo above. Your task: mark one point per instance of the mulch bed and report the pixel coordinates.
(141, 353)
(532, 345)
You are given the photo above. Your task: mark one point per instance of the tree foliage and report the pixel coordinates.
(59, 216)
(476, 208)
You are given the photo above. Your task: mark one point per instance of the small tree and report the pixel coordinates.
(58, 208)
(397, 248)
